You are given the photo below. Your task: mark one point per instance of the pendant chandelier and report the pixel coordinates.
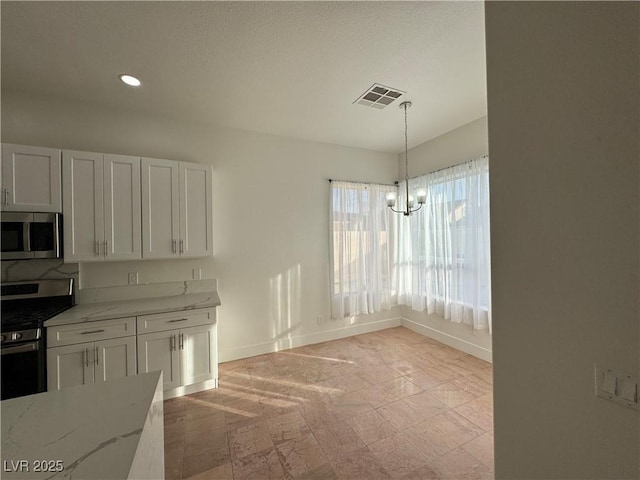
(421, 196)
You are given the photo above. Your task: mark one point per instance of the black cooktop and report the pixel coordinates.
(32, 316)
(27, 305)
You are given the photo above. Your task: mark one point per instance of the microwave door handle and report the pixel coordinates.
(26, 235)
(56, 235)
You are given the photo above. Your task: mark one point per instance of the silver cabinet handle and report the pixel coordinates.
(182, 341)
(172, 342)
(92, 331)
(181, 246)
(6, 197)
(86, 356)
(178, 320)
(106, 248)
(173, 246)
(98, 248)
(96, 356)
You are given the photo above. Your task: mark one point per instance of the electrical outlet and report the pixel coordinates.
(617, 386)
(319, 319)
(196, 274)
(133, 278)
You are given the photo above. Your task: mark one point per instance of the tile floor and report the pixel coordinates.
(388, 404)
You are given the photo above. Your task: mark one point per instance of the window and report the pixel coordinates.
(362, 248)
(444, 256)
(437, 260)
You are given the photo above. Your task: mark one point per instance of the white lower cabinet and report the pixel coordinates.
(157, 351)
(90, 362)
(115, 358)
(68, 366)
(199, 359)
(183, 345)
(187, 356)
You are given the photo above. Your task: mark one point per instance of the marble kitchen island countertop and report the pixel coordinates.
(130, 308)
(102, 430)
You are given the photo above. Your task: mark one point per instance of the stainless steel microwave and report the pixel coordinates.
(30, 235)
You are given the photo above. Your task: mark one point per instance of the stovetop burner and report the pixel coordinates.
(27, 305)
(30, 317)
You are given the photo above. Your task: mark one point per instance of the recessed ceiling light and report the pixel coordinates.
(129, 80)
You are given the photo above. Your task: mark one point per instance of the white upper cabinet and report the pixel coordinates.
(160, 208)
(176, 209)
(101, 206)
(122, 211)
(82, 205)
(30, 179)
(196, 230)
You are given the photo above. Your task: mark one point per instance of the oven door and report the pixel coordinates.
(23, 369)
(16, 236)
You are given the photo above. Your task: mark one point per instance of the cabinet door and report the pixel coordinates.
(122, 221)
(115, 358)
(69, 366)
(30, 179)
(160, 208)
(159, 351)
(82, 206)
(196, 230)
(198, 354)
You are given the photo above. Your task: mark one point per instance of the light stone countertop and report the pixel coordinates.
(102, 430)
(91, 312)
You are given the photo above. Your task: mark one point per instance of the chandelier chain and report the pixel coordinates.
(408, 202)
(406, 149)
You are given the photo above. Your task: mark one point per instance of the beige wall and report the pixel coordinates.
(271, 208)
(457, 146)
(563, 109)
(464, 143)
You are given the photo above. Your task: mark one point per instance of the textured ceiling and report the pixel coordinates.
(285, 68)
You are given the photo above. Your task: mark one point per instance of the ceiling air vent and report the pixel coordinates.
(378, 96)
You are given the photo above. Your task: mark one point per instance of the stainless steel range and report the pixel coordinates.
(25, 307)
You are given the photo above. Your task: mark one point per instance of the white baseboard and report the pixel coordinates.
(286, 343)
(188, 389)
(462, 345)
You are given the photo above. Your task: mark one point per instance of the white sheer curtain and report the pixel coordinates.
(363, 235)
(444, 255)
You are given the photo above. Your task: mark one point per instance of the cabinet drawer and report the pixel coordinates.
(169, 321)
(90, 331)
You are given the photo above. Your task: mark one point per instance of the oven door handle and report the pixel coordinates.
(24, 348)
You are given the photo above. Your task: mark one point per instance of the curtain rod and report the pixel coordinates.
(363, 183)
(411, 178)
(445, 168)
